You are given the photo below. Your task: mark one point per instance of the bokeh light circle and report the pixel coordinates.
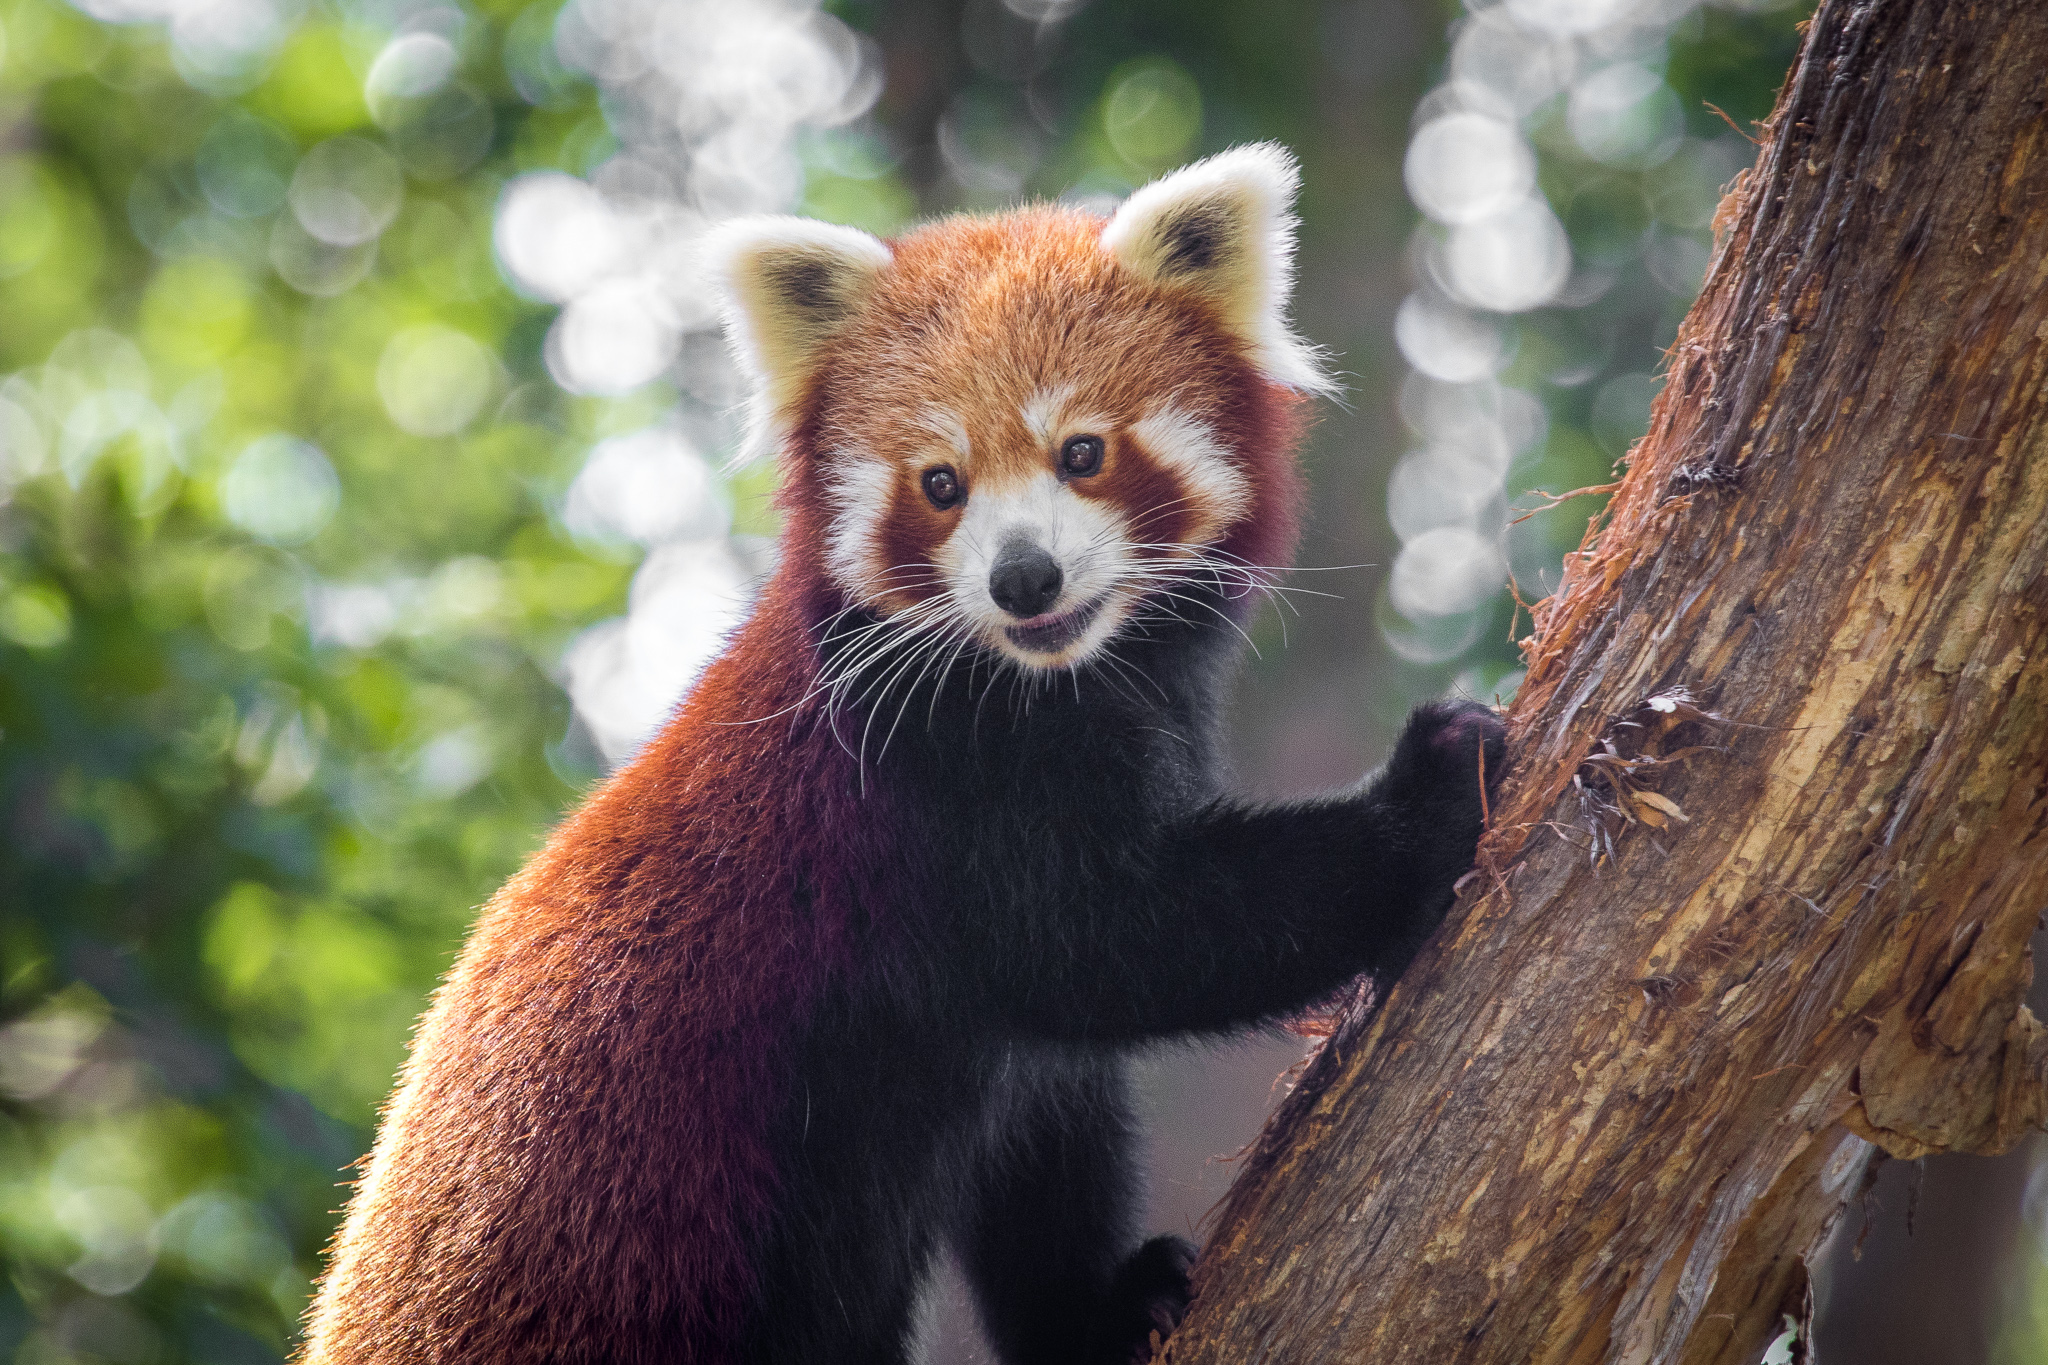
(281, 489)
(1465, 167)
(1510, 261)
(434, 379)
(346, 191)
(1445, 571)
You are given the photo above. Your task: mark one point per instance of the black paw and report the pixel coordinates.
(1149, 1295)
(1435, 775)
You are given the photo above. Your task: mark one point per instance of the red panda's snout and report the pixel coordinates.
(1025, 435)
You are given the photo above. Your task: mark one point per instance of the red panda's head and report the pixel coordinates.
(1017, 431)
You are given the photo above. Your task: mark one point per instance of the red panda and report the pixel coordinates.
(840, 969)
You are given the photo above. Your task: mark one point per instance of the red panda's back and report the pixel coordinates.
(588, 1100)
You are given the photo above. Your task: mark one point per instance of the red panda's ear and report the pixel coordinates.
(789, 284)
(1224, 227)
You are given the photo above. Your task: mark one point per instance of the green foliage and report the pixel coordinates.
(2023, 1338)
(279, 596)
(284, 587)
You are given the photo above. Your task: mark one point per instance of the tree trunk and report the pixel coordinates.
(1759, 889)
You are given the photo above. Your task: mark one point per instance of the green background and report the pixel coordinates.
(240, 847)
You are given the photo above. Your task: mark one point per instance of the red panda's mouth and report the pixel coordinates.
(1051, 634)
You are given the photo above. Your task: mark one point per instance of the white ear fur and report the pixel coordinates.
(1225, 228)
(789, 284)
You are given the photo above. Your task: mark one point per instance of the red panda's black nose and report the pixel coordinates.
(1025, 580)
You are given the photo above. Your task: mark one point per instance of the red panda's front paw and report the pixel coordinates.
(1438, 754)
(1446, 752)
(1149, 1296)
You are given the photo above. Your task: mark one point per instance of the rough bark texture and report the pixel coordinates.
(1642, 1070)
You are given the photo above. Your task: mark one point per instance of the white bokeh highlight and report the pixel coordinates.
(1447, 342)
(1625, 115)
(411, 66)
(434, 380)
(708, 100)
(281, 489)
(221, 46)
(1466, 166)
(1510, 261)
(648, 487)
(626, 675)
(346, 191)
(1521, 72)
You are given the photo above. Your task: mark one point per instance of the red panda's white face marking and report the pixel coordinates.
(1189, 447)
(949, 428)
(1042, 410)
(1020, 426)
(858, 490)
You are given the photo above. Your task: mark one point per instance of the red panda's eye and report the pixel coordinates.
(1081, 456)
(942, 486)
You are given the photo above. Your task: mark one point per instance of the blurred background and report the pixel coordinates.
(364, 496)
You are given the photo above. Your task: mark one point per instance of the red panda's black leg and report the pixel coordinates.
(1148, 1297)
(1054, 1219)
(840, 1316)
(1235, 915)
(869, 1162)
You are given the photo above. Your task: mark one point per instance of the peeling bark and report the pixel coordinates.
(1758, 894)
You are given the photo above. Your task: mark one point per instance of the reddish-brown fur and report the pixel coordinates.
(589, 1094)
(978, 314)
(575, 1168)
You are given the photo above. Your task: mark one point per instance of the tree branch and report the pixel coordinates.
(1760, 888)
